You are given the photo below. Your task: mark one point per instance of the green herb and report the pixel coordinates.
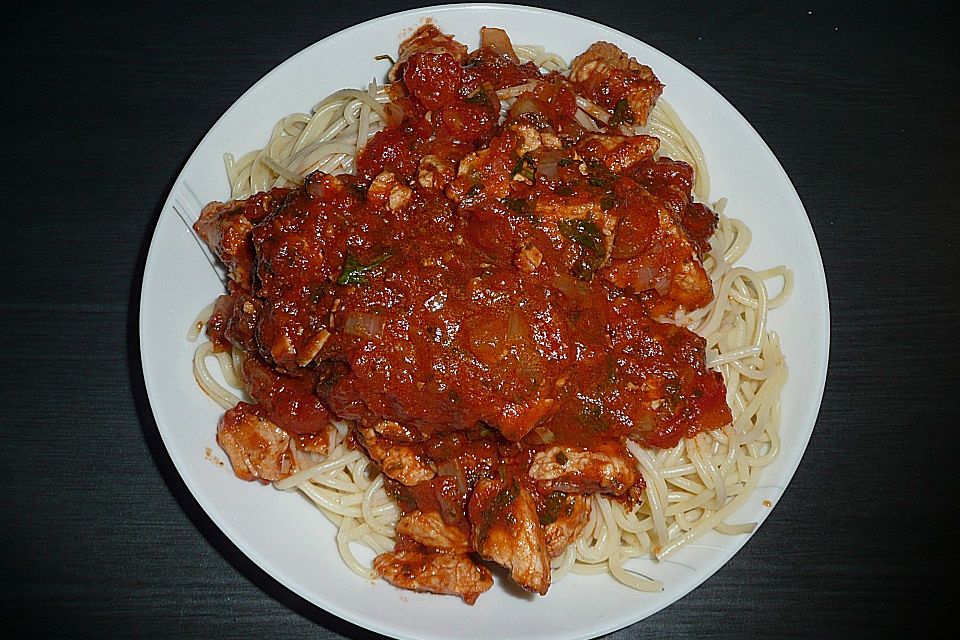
(553, 506)
(564, 162)
(506, 497)
(588, 236)
(316, 292)
(480, 97)
(607, 202)
(622, 113)
(671, 395)
(583, 232)
(355, 272)
(500, 502)
(384, 56)
(517, 205)
(525, 167)
(594, 181)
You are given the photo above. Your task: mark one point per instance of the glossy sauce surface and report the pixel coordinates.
(480, 297)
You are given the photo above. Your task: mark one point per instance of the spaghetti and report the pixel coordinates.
(690, 489)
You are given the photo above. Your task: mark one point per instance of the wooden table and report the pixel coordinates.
(104, 104)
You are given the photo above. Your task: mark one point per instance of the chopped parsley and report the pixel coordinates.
(594, 181)
(480, 96)
(355, 272)
(622, 113)
(590, 240)
(554, 506)
(517, 205)
(525, 167)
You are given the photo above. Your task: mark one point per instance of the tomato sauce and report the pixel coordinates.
(491, 287)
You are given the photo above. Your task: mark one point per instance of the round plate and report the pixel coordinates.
(288, 537)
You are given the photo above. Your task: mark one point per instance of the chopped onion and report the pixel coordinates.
(524, 105)
(662, 285)
(451, 468)
(644, 278)
(499, 42)
(364, 325)
(572, 288)
(546, 436)
(547, 163)
(514, 327)
(394, 113)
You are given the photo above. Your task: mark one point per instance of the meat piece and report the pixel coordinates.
(226, 227)
(299, 252)
(444, 496)
(318, 443)
(527, 257)
(312, 348)
(578, 471)
(386, 189)
(496, 62)
(663, 384)
(618, 153)
(672, 181)
(664, 172)
(506, 530)
(579, 206)
(516, 419)
(258, 449)
(234, 321)
(563, 519)
(432, 572)
(435, 79)
(434, 172)
(217, 323)
(487, 171)
(400, 462)
(652, 253)
(287, 400)
(226, 231)
(431, 531)
(700, 223)
(394, 149)
(533, 138)
(607, 75)
(427, 39)
(582, 225)
(399, 433)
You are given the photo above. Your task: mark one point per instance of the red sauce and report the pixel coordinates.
(491, 309)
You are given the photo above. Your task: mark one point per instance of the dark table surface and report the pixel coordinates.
(104, 104)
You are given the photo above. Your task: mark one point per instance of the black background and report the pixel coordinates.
(103, 104)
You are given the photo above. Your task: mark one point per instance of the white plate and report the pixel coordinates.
(288, 537)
